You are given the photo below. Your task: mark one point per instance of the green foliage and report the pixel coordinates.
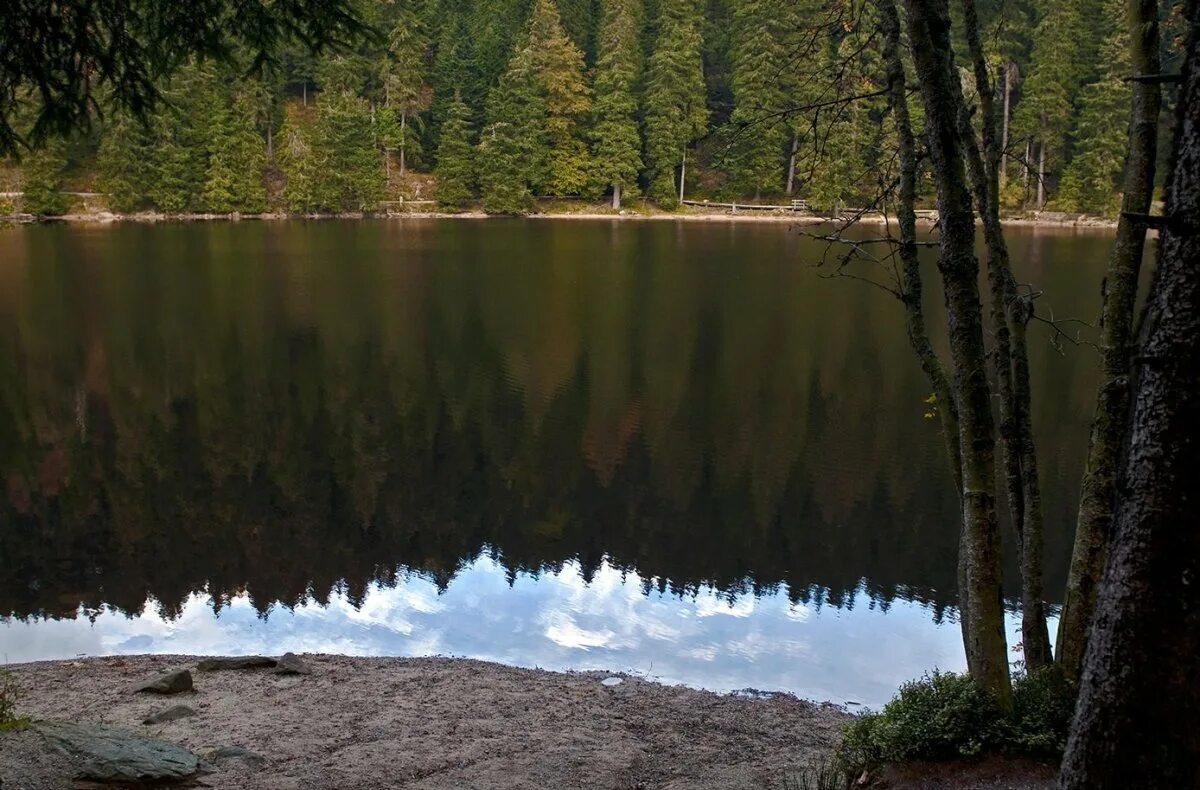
(512, 146)
(125, 163)
(616, 152)
(10, 697)
(43, 185)
(455, 171)
(675, 95)
(945, 716)
(332, 162)
(236, 158)
(818, 774)
(756, 145)
(299, 161)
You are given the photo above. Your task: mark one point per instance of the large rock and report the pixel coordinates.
(107, 754)
(235, 662)
(223, 753)
(170, 683)
(173, 713)
(290, 664)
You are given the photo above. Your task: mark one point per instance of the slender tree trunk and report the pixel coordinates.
(1136, 722)
(616, 200)
(270, 143)
(911, 284)
(929, 37)
(1009, 316)
(682, 174)
(1025, 171)
(1041, 178)
(791, 171)
(1004, 126)
(304, 88)
(403, 142)
(1112, 399)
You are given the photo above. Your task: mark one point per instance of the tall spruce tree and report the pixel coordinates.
(236, 157)
(756, 147)
(676, 113)
(616, 151)
(455, 170)
(1089, 182)
(404, 78)
(513, 145)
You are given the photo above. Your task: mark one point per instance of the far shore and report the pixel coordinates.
(427, 723)
(783, 216)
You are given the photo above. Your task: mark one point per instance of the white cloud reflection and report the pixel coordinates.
(555, 622)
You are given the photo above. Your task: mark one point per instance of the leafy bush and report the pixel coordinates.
(945, 716)
(9, 696)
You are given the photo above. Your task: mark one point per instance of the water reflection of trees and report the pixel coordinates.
(223, 409)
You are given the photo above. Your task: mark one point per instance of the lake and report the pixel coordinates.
(676, 449)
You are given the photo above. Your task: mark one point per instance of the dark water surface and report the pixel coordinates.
(671, 448)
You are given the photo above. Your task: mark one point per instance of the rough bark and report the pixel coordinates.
(911, 293)
(1007, 70)
(929, 37)
(1010, 315)
(1112, 398)
(1136, 723)
(791, 168)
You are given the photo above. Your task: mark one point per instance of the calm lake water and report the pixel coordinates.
(669, 448)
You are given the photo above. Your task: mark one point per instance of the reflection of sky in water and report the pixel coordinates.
(556, 622)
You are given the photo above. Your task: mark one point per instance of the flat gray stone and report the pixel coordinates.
(107, 754)
(173, 713)
(290, 664)
(170, 683)
(235, 662)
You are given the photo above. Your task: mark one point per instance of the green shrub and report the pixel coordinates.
(945, 716)
(10, 695)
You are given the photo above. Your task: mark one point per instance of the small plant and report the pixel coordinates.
(818, 774)
(946, 716)
(10, 695)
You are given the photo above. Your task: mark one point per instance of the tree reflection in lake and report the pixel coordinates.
(294, 411)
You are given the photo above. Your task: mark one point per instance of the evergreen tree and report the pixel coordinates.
(300, 161)
(455, 170)
(513, 146)
(616, 153)
(675, 97)
(43, 172)
(351, 177)
(1090, 181)
(179, 156)
(236, 158)
(1055, 73)
(757, 68)
(404, 76)
(124, 162)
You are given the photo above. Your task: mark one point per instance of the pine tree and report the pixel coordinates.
(532, 139)
(44, 173)
(1055, 73)
(758, 138)
(124, 162)
(179, 157)
(1090, 181)
(236, 158)
(300, 161)
(351, 177)
(675, 97)
(404, 79)
(616, 153)
(455, 170)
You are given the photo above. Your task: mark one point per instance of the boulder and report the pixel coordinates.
(235, 662)
(290, 664)
(173, 713)
(170, 683)
(222, 753)
(107, 754)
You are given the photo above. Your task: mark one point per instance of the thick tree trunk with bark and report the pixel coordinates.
(1137, 722)
(791, 169)
(911, 291)
(1112, 399)
(929, 37)
(1009, 316)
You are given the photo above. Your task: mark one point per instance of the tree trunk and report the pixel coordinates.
(1136, 722)
(1009, 316)
(929, 37)
(403, 141)
(1041, 178)
(270, 143)
(1025, 171)
(305, 90)
(791, 171)
(682, 174)
(911, 294)
(1112, 399)
(1004, 126)
(616, 201)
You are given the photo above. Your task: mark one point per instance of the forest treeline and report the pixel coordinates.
(508, 100)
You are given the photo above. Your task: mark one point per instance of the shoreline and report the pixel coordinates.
(429, 723)
(784, 216)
